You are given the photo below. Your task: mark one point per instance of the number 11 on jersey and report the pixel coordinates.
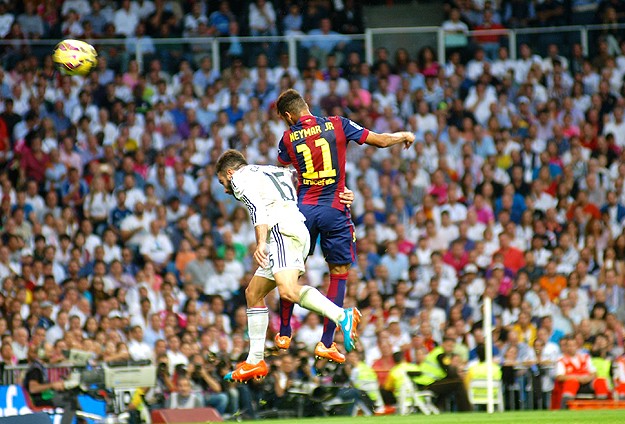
(326, 155)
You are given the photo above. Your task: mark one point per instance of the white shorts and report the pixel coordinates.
(288, 246)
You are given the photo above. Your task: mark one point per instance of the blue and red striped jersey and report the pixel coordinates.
(316, 147)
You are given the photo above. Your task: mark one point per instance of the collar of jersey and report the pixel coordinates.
(304, 117)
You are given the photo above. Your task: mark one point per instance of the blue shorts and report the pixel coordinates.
(336, 229)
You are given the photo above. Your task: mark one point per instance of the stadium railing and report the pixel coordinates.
(14, 374)
(410, 38)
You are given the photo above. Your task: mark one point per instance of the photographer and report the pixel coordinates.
(240, 396)
(156, 397)
(205, 383)
(44, 393)
(183, 398)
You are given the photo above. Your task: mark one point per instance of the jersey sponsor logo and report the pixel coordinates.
(323, 182)
(355, 125)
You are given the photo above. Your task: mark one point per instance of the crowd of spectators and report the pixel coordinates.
(140, 24)
(117, 238)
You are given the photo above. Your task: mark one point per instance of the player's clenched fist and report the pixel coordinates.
(260, 255)
(409, 138)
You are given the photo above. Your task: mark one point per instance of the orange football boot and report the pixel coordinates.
(245, 372)
(330, 353)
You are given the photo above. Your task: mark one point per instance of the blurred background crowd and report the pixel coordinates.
(116, 238)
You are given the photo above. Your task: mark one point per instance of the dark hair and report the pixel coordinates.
(230, 159)
(290, 101)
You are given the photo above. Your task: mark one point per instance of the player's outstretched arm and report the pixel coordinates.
(390, 139)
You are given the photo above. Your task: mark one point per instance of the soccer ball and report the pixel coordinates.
(75, 57)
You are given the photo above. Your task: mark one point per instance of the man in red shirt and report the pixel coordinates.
(575, 370)
(512, 257)
(489, 42)
(456, 256)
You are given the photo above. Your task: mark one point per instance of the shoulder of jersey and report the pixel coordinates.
(236, 181)
(273, 168)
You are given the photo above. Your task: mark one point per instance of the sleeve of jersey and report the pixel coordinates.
(353, 131)
(247, 191)
(283, 155)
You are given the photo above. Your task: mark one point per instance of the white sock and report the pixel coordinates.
(312, 299)
(257, 323)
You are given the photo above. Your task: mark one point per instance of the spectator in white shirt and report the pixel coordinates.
(222, 282)
(157, 246)
(20, 343)
(137, 348)
(503, 64)
(475, 67)
(142, 8)
(133, 193)
(262, 18)
(140, 41)
(424, 120)
(310, 331)
(125, 20)
(57, 331)
(456, 31)
(457, 211)
(437, 316)
(479, 101)
(384, 97)
(6, 20)
(616, 127)
(176, 357)
(98, 204)
(79, 6)
(193, 19)
(135, 228)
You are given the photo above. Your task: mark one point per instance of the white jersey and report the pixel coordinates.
(268, 193)
(270, 197)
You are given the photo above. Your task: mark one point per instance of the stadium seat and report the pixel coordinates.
(412, 399)
(477, 393)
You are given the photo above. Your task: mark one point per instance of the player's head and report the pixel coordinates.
(291, 105)
(227, 164)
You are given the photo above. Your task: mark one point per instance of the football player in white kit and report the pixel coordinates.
(282, 243)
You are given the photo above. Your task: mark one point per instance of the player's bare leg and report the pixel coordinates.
(254, 367)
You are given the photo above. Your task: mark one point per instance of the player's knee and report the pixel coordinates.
(252, 297)
(288, 292)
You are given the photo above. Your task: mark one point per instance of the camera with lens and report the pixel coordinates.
(162, 368)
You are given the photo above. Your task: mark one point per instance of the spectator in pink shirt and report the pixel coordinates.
(484, 211)
(438, 188)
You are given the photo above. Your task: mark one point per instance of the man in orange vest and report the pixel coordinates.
(575, 370)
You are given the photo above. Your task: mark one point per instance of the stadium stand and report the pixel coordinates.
(117, 239)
